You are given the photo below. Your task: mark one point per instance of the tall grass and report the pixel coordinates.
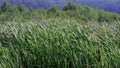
(56, 43)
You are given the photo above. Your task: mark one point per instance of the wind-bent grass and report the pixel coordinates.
(57, 43)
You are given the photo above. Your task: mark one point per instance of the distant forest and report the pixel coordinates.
(76, 12)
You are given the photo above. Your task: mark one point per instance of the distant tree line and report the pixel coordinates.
(77, 12)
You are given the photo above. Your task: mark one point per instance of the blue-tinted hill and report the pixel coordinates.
(107, 5)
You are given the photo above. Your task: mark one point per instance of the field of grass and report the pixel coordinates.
(59, 43)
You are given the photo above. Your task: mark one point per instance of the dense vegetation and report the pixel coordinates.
(10, 13)
(74, 37)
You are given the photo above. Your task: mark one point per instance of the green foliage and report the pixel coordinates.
(75, 37)
(13, 14)
(4, 7)
(69, 6)
(21, 8)
(69, 11)
(31, 9)
(54, 11)
(59, 43)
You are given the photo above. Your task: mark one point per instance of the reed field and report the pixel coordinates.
(59, 43)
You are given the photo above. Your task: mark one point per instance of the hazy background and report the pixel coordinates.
(107, 5)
